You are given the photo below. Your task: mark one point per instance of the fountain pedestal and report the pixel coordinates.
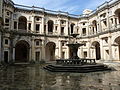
(74, 63)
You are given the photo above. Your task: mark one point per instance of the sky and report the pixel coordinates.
(71, 6)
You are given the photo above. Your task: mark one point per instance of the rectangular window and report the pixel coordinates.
(62, 30)
(6, 41)
(85, 54)
(37, 43)
(63, 55)
(29, 26)
(15, 25)
(56, 27)
(44, 28)
(6, 20)
(84, 31)
(6, 56)
(37, 27)
(37, 56)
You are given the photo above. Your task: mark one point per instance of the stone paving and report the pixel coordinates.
(33, 77)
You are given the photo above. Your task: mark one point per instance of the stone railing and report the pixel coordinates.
(75, 61)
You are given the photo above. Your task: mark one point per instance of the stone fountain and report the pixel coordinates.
(75, 63)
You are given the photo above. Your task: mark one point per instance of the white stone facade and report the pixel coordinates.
(36, 34)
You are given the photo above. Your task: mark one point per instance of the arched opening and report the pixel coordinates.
(97, 50)
(72, 27)
(50, 51)
(50, 26)
(94, 25)
(117, 13)
(22, 23)
(22, 51)
(117, 40)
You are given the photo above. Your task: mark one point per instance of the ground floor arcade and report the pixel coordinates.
(26, 49)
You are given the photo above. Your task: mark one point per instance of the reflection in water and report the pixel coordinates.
(35, 78)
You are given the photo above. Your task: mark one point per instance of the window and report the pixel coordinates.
(112, 20)
(15, 25)
(84, 31)
(6, 56)
(85, 54)
(37, 43)
(44, 28)
(105, 23)
(83, 23)
(56, 27)
(37, 19)
(37, 55)
(6, 41)
(29, 26)
(7, 13)
(37, 27)
(63, 43)
(63, 55)
(62, 30)
(6, 20)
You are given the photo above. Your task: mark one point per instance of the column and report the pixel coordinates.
(59, 27)
(108, 23)
(99, 27)
(101, 49)
(0, 47)
(66, 31)
(33, 49)
(1, 6)
(33, 24)
(81, 50)
(60, 49)
(43, 23)
(89, 50)
(110, 48)
(67, 50)
(43, 50)
(13, 54)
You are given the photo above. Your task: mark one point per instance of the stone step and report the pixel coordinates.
(79, 69)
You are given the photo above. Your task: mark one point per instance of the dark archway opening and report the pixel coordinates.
(97, 50)
(22, 51)
(117, 40)
(50, 51)
(22, 23)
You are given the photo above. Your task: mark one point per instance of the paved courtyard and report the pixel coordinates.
(33, 77)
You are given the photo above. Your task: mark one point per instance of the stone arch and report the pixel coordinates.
(50, 26)
(117, 44)
(96, 44)
(72, 28)
(50, 51)
(117, 13)
(22, 51)
(22, 23)
(94, 23)
(114, 37)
